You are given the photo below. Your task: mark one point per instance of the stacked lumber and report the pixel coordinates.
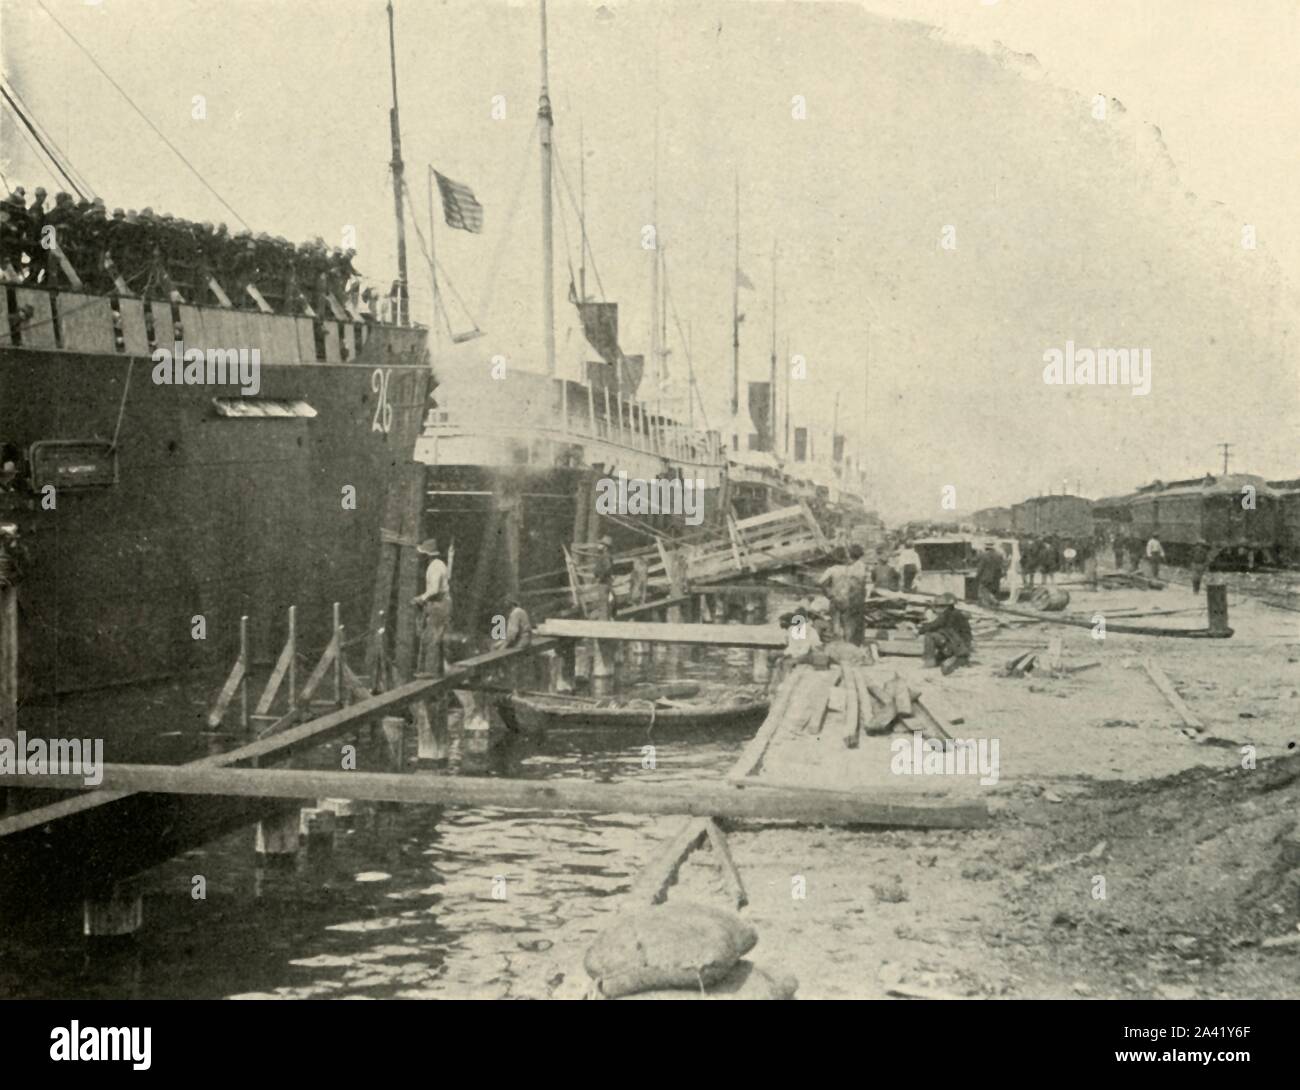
(847, 701)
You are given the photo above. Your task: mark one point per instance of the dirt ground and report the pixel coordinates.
(1124, 857)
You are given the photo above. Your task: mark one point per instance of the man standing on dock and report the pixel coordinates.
(1202, 558)
(603, 577)
(1155, 554)
(909, 560)
(837, 579)
(436, 601)
(858, 594)
(1029, 559)
(883, 576)
(988, 575)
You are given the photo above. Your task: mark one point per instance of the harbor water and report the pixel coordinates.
(411, 902)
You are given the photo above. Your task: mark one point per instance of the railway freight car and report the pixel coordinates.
(1288, 522)
(1237, 515)
(1114, 514)
(992, 520)
(1068, 517)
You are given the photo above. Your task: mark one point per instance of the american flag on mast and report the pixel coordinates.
(459, 205)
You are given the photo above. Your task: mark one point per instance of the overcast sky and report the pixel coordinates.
(1117, 232)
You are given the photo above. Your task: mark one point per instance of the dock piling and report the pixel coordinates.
(433, 743)
(119, 911)
(278, 836)
(1216, 600)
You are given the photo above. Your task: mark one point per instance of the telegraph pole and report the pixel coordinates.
(1225, 447)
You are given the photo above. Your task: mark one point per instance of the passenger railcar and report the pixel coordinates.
(1237, 515)
(1288, 521)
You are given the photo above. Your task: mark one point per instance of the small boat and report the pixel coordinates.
(704, 703)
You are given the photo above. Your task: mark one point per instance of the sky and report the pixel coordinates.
(922, 122)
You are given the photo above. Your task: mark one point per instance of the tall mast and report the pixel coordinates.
(655, 352)
(548, 242)
(787, 397)
(663, 313)
(582, 215)
(433, 263)
(735, 320)
(835, 424)
(771, 385)
(398, 168)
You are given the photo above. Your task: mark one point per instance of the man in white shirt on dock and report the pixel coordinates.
(909, 562)
(1155, 554)
(436, 601)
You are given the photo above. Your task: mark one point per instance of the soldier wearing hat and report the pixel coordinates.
(436, 603)
(948, 640)
(603, 578)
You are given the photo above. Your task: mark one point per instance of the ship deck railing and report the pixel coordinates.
(572, 412)
(124, 325)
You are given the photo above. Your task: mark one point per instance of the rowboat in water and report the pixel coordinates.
(682, 705)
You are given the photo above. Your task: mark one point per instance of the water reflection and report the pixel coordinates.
(411, 901)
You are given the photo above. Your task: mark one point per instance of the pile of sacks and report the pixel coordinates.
(681, 951)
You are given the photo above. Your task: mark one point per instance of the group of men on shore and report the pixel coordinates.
(154, 255)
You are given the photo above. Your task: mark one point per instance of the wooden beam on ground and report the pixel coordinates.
(759, 802)
(1166, 686)
(751, 758)
(729, 635)
(651, 885)
(730, 875)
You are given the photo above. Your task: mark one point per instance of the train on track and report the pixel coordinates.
(1249, 522)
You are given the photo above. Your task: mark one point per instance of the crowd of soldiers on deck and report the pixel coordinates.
(162, 256)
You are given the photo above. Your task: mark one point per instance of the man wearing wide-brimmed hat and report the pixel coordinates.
(436, 602)
(948, 640)
(603, 577)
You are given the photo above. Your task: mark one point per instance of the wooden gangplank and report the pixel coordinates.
(894, 808)
(714, 635)
(279, 745)
(768, 542)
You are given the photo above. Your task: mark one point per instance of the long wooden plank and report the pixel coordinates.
(730, 873)
(1166, 686)
(729, 635)
(652, 884)
(649, 607)
(895, 808)
(278, 745)
(781, 514)
(752, 756)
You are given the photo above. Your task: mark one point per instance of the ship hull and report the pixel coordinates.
(211, 517)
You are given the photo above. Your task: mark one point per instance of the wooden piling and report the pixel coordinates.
(278, 836)
(433, 740)
(338, 658)
(8, 670)
(604, 675)
(392, 729)
(119, 911)
(1216, 599)
(243, 680)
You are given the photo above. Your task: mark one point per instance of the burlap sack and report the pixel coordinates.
(668, 946)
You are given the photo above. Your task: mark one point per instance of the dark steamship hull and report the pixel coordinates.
(204, 514)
